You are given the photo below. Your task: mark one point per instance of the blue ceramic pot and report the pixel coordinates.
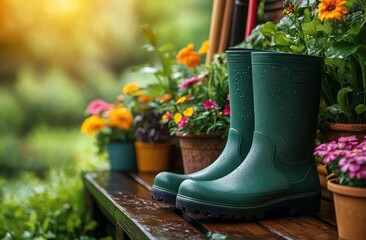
(122, 156)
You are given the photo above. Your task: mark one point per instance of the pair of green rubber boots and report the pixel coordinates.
(267, 164)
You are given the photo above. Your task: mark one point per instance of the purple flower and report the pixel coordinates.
(325, 148)
(209, 104)
(226, 110)
(330, 156)
(97, 106)
(347, 142)
(189, 81)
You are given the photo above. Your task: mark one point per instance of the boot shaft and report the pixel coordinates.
(286, 98)
(239, 68)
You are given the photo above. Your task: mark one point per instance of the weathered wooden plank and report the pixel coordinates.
(131, 206)
(304, 227)
(320, 226)
(327, 213)
(214, 227)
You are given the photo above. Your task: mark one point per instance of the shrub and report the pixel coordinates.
(51, 209)
(51, 98)
(11, 115)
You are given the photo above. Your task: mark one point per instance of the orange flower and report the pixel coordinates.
(165, 98)
(204, 48)
(332, 9)
(121, 118)
(145, 98)
(130, 88)
(92, 124)
(188, 56)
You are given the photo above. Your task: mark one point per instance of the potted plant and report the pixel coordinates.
(193, 99)
(346, 160)
(153, 143)
(334, 30)
(200, 116)
(112, 126)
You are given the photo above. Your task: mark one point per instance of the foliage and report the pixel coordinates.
(203, 105)
(149, 127)
(345, 159)
(336, 33)
(193, 95)
(47, 210)
(49, 98)
(11, 115)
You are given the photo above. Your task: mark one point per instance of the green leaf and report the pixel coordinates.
(297, 49)
(360, 108)
(334, 109)
(341, 50)
(325, 28)
(281, 39)
(343, 100)
(310, 28)
(269, 29)
(149, 34)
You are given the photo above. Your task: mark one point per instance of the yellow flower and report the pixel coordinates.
(188, 112)
(332, 9)
(130, 88)
(138, 93)
(177, 117)
(188, 56)
(121, 118)
(181, 100)
(145, 98)
(93, 124)
(204, 48)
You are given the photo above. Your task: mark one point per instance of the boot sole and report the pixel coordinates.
(163, 196)
(295, 206)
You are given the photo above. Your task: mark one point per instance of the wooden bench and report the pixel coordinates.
(123, 208)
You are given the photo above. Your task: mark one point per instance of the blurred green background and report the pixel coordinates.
(55, 57)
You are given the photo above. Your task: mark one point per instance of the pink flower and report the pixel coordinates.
(228, 97)
(97, 106)
(183, 122)
(189, 81)
(226, 110)
(325, 148)
(209, 104)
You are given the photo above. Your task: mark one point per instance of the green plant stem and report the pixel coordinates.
(361, 61)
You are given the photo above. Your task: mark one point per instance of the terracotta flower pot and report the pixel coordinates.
(350, 209)
(153, 157)
(332, 131)
(199, 151)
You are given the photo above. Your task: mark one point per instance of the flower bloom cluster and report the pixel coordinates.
(188, 56)
(345, 157)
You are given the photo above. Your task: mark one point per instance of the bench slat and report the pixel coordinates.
(131, 206)
(304, 227)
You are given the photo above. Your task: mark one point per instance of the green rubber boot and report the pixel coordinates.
(279, 172)
(240, 137)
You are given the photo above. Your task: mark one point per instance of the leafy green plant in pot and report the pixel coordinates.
(346, 160)
(336, 31)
